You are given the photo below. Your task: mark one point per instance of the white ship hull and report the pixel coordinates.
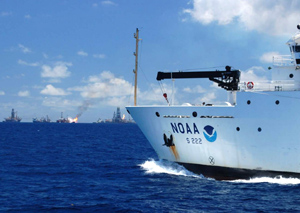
(258, 137)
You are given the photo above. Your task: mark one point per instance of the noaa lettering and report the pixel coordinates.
(181, 128)
(184, 128)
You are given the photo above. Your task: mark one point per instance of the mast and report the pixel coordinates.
(136, 36)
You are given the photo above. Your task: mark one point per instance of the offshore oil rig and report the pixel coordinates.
(117, 118)
(62, 119)
(13, 118)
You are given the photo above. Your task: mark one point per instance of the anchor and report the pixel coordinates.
(168, 141)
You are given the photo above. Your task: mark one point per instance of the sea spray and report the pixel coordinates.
(151, 167)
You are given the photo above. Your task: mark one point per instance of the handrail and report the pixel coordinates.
(283, 60)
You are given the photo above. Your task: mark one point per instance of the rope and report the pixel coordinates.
(130, 95)
(141, 69)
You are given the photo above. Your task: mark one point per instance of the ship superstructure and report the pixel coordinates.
(41, 120)
(13, 118)
(255, 133)
(99, 121)
(117, 116)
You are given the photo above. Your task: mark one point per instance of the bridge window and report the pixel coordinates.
(297, 49)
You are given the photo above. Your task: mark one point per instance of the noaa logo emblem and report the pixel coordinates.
(210, 133)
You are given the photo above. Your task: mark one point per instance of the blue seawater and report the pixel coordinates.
(112, 168)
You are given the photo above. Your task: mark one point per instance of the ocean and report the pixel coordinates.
(49, 167)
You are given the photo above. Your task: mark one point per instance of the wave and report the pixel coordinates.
(277, 180)
(166, 167)
(157, 167)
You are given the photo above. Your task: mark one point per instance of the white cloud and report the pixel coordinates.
(196, 89)
(95, 5)
(268, 57)
(24, 49)
(117, 101)
(109, 3)
(101, 56)
(207, 98)
(82, 53)
(45, 55)
(24, 93)
(53, 80)
(2, 93)
(51, 90)
(5, 13)
(27, 16)
(275, 17)
(155, 95)
(60, 103)
(60, 70)
(105, 85)
(254, 74)
(28, 64)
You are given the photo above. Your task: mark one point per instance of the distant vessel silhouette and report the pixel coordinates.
(13, 118)
(41, 120)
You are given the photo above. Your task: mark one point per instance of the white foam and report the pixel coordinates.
(277, 180)
(156, 167)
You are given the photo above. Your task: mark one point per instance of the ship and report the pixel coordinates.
(13, 118)
(99, 121)
(255, 133)
(41, 120)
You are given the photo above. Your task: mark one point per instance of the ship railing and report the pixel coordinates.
(283, 60)
(215, 104)
(269, 86)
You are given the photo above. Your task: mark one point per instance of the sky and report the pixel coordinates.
(76, 56)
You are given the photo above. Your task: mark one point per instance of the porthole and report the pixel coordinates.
(277, 102)
(157, 114)
(248, 102)
(195, 114)
(238, 129)
(259, 129)
(291, 75)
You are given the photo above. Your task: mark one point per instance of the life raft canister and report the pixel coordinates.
(250, 85)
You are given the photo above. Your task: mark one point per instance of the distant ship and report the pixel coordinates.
(41, 120)
(99, 121)
(13, 118)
